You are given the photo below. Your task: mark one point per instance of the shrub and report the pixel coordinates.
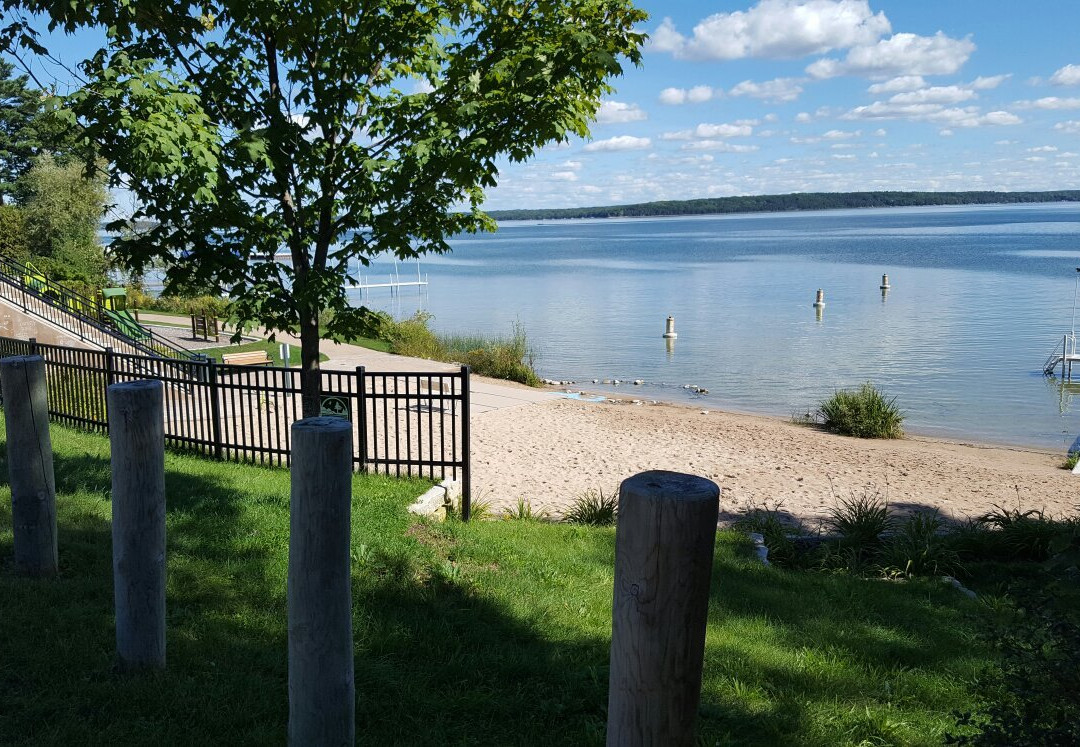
(1024, 535)
(861, 520)
(523, 511)
(919, 547)
(864, 412)
(594, 509)
(774, 530)
(508, 358)
(1070, 460)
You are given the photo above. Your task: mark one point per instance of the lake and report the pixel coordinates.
(979, 298)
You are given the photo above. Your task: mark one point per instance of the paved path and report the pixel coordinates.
(486, 394)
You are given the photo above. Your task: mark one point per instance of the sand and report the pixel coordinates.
(550, 453)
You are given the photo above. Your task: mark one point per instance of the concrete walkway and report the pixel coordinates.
(485, 394)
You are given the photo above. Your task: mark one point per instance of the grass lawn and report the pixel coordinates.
(492, 633)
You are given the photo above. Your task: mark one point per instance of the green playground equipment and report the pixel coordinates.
(114, 306)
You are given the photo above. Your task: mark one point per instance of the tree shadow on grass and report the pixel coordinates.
(437, 662)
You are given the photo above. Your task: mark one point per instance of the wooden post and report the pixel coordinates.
(663, 563)
(137, 436)
(321, 690)
(30, 464)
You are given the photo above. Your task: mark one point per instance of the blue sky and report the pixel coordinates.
(777, 96)
(737, 98)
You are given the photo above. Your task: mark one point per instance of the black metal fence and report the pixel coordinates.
(414, 423)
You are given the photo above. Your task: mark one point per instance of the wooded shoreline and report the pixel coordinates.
(789, 203)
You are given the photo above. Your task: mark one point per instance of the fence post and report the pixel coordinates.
(110, 367)
(466, 460)
(33, 346)
(30, 464)
(215, 408)
(321, 689)
(663, 562)
(361, 416)
(137, 438)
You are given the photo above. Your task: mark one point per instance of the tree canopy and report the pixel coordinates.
(326, 129)
(20, 139)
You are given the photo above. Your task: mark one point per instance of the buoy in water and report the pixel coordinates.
(819, 302)
(884, 283)
(669, 330)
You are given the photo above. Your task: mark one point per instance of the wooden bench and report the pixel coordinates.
(252, 358)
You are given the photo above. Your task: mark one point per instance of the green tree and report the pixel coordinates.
(328, 129)
(20, 141)
(61, 211)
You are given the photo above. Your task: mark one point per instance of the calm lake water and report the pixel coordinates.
(979, 298)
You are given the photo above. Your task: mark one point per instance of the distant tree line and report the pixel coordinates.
(790, 202)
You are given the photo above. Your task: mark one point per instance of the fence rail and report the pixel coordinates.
(82, 316)
(404, 423)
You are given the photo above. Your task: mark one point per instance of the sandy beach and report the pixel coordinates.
(550, 453)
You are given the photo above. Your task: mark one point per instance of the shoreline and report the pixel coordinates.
(549, 454)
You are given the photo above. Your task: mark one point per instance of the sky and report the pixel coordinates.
(777, 96)
(741, 98)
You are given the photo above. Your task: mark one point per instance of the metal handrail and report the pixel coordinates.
(87, 311)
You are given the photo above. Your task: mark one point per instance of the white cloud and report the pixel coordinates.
(985, 83)
(619, 142)
(564, 176)
(900, 83)
(935, 95)
(1066, 76)
(1043, 149)
(1049, 102)
(777, 29)
(899, 55)
(616, 112)
(571, 165)
(698, 94)
(695, 95)
(1069, 127)
(841, 134)
(720, 145)
(778, 89)
(673, 96)
(946, 133)
(803, 117)
(969, 116)
(880, 132)
(843, 156)
(739, 129)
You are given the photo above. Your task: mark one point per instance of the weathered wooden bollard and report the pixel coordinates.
(30, 464)
(137, 438)
(663, 563)
(321, 689)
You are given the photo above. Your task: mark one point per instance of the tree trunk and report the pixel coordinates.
(310, 384)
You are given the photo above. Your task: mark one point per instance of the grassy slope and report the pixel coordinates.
(489, 633)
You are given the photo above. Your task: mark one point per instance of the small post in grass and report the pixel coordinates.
(663, 563)
(30, 465)
(137, 439)
(321, 690)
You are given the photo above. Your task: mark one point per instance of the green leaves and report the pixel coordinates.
(327, 130)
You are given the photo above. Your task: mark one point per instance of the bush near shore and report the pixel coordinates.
(864, 412)
(492, 632)
(499, 357)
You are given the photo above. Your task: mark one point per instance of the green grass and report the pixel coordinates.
(1070, 460)
(270, 347)
(864, 412)
(484, 633)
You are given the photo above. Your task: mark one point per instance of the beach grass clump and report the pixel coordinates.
(501, 357)
(919, 547)
(594, 508)
(864, 413)
(1070, 460)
